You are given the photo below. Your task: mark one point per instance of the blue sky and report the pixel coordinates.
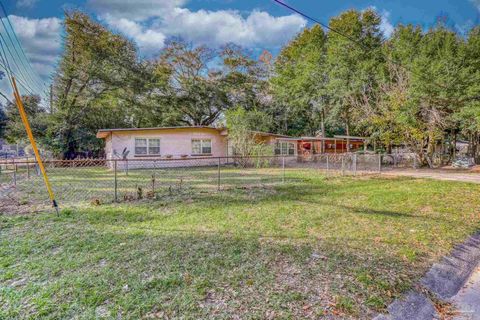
(256, 25)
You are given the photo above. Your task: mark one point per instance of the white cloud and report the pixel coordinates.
(386, 26)
(219, 27)
(151, 24)
(148, 40)
(26, 3)
(137, 10)
(476, 3)
(40, 39)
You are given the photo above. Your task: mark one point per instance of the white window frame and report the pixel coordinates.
(149, 152)
(202, 146)
(283, 148)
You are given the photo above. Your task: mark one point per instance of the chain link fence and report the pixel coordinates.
(103, 181)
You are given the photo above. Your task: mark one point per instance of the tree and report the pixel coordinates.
(353, 67)
(3, 121)
(468, 116)
(205, 82)
(37, 117)
(98, 80)
(242, 138)
(298, 83)
(393, 118)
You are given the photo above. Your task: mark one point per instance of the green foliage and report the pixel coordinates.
(298, 84)
(241, 132)
(37, 117)
(3, 121)
(417, 88)
(352, 68)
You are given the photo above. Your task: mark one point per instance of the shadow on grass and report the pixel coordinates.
(77, 268)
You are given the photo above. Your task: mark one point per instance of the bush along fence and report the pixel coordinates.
(101, 180)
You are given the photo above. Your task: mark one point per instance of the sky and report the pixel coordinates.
(254, 24)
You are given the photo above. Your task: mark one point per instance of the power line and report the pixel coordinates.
(350, 39)
(27, 77)
(6, 66)
(25, 58)
(13, 58)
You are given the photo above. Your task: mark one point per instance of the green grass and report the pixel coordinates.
(313, 247)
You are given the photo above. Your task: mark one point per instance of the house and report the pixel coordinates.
(204, 143)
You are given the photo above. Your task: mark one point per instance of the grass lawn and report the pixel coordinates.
(340, 247)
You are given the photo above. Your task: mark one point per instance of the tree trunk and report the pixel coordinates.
(454, 146)
(430, 147)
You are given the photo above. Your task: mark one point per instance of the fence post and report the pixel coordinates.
(28, 168)
(15, 175)
(153, 185)
(379, 163)
(343, 164)
(283, 169)
(354, 164)
(126, 166)
(218, 175)
(327, 164)
(115, 179)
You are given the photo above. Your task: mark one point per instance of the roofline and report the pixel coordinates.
(103, 133)
(323, 139)
(350, 137)
(270, 134)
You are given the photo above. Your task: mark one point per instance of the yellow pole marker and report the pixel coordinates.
(23, 115)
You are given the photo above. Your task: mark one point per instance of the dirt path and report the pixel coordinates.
(440, 174)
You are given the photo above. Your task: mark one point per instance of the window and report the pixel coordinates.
(284, 148)
(153, 146)
(141, 146)
(144, 146)
(201, 146)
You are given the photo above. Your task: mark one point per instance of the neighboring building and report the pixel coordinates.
(10, 150)
(202, 142)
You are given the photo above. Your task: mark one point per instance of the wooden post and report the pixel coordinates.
(153, 184)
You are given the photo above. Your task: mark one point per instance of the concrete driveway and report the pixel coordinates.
(439, 174)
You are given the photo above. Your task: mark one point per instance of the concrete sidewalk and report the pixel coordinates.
(467, 300)
(455, 279)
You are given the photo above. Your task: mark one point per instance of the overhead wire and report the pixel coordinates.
(20, 74)
(24, 77)
(33, 76)
(355, 41)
